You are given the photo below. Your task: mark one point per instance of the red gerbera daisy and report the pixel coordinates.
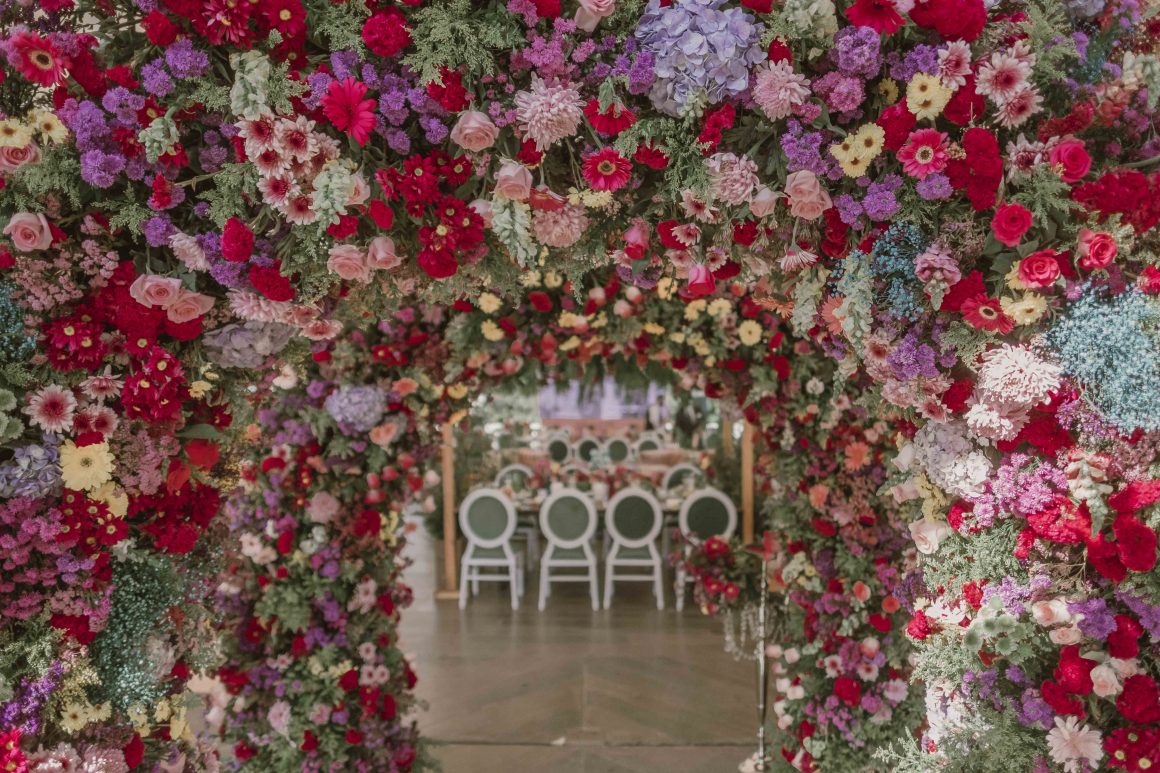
(345, 107)
(986, 314)
(286, 16)
(879, 15)
(39, 61)
(607, 170)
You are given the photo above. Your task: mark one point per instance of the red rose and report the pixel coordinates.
(1073, 161)
(1123, 643)
(1149, 280)
(1140, 700)
(134, 752)
(1011, 221)
(1096, 249)
(758, 6)
(540, 301)
(880, 622)
(1074, 673)
(348, 682)
(547, 9)
(1040, 269)
(919, 627)
(847, 690)
(309, 742)
(951, 19)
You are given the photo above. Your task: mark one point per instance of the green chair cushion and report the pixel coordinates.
(568, 518)
(708, 517)
(634, 517)
(487, 517)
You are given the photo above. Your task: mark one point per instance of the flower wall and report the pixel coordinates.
(955, 199)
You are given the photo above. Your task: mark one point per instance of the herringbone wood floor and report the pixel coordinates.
(572, 690)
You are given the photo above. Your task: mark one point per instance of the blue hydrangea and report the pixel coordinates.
(1109, 346)
(33, 471)
(900, 292)
(703, 52)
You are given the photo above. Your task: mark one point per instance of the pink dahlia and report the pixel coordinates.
(548, 114)
(52, 408)
(777, 89)
(561, 227)
(733, 178)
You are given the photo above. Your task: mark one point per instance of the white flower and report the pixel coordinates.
(1067, 635)
(1105, 681)
(1069, 743)
(279, 718)
(1050, 612)
(895, 690)
(1016, 376)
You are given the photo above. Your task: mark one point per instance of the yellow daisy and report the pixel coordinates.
(1026, 310)
(488, 303)
(14, 134)
(926, 96)
(749, 332)
(491, 331)
(48, 125)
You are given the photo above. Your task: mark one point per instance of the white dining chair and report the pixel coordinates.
(633, 519)
(647, 442)
(676, 475)
(488, 520)
(559, 447)
(617, 450)
(709, 512)
(518, 476)
(586, 448)
(568, 518)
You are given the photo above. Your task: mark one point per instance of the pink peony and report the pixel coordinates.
(777, 89)
(560, 228)
(151, 290)
(513, 181)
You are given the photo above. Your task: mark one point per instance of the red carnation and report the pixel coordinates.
(385, 32)
(1136, 542)
(1124, 642)
(268, 281)
(919, 626)
(952, 19)
(897, 122)
(1059, 701)
(1104, 556)
(1074, 673)
(159, 29)
(650, 156)
(237, 241)
(880, 15)
(612, 120)
(540, 301)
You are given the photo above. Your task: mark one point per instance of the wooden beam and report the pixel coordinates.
(450, 589)
(727, 435)
(747, 519)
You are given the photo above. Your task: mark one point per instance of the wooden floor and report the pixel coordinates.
(569, 689)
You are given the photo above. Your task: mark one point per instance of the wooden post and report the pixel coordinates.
(450, 590)
(727, 436)
(747, 484)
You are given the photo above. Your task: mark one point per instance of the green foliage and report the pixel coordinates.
(967, 341)
(226, 196)
(511, 222)
(452, 34)
(127, 213)
(677, 138)
(1046, 195)
(1047, 29)
(58, 173)
(341, 26)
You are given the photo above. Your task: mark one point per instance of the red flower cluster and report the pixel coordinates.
(980, 173)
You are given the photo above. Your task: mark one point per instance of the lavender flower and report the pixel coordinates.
(356, 408)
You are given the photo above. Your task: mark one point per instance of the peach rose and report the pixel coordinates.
(12, 159)
(818, 494)
(405, 386)
(928, 534)
(1050, 612)
(360, 191)
(151, 290)
(590, 12)
(1105, 681)
(384, 434)
(381, 254)
(474, 131)
(861, 591)
(807, 199)
(322, 329)
(29, 231)
(513, 181)
(188, 306)
(349, 262)
(764, 202)
(1065, 636)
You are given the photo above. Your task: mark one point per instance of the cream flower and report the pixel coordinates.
(1026, 310)
(1071, 743)
(491, 331)
(749, 332)
(926, 96)
(488, 303)
(85, 467)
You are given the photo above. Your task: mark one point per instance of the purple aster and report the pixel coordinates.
(155, 79)
(100, 169)
(185, 61)
(158, 229)
(934, 188)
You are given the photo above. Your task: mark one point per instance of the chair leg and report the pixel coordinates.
(475, 583)
(609, 572)
(515, 584)
(659, 585)
(545, 584)
(679, 589)
(534, 548)
(464, 568)
(594, 585)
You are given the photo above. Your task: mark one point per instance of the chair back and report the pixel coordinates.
(708, 512)
(646, 443)
(633, 517)
(559, 449)
(678, 473)
(515, 475)
(568, 518)
(587, 448)
(487, 518)
(618, 450)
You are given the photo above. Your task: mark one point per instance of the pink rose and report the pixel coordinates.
(360, 191)
(188, 306)
(807, 199)
(590, 12)
(1010, 222)
(474, 131)
(349, 262)
(1096, 249)
(151, 290)
(1072, 159)
(12, 159)
(381, 254)
(764, 202)
(29, 232)
(513, 181)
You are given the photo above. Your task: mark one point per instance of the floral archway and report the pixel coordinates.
(955, 200)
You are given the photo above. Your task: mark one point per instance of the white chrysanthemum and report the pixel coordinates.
(1016, 376)
(947, 455)
(1071, 743)
(548, 114)
(994, 420)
